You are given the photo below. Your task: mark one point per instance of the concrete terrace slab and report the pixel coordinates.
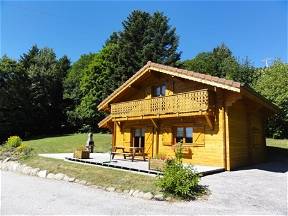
(103, 159)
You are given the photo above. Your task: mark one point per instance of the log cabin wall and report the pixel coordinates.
(227, 119)
(208, 145)
(246, 135)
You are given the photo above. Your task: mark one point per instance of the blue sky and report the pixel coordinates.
(255, 29)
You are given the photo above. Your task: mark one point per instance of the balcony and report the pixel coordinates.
(183, 104)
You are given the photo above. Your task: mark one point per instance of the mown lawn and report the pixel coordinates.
(93, 174)
(68, 143)
(280, 143)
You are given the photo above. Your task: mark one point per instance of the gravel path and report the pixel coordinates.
(257, 190)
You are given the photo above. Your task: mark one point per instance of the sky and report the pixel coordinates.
(257, 30)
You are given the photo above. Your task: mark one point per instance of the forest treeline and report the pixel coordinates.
(41, 94)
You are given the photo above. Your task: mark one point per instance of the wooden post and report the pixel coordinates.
(227, 140)
(114, 134)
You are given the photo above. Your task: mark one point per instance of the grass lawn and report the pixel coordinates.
(96, 175)
(280, 143)
(67, 143)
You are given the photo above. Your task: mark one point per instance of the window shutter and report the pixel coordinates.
(167, 136)
(148, 140)
(127, 137)
(198, 135)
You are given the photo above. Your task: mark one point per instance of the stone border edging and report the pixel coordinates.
(15, 166)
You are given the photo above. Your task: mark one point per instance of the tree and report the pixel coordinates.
(221, 63)
(144, 38)
(14, 99)
(272, 83)
(72, 93)
(46, 74)
(95, 85)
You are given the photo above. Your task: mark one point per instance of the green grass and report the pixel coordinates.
(68, 143)
(95, 175)
(280, 143)
(103, 177)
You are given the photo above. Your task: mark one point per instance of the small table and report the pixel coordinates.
(114, 151)
(137, 151)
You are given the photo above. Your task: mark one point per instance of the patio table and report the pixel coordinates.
(135, 151)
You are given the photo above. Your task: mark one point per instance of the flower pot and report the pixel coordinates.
(81, 154)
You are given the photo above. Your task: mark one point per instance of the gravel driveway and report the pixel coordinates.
(255, 190)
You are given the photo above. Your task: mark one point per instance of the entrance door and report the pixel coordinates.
(139, 137)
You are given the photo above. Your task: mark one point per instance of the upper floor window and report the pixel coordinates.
(184, 135)
(159, 90)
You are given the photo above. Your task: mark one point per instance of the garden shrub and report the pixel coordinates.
(179, 180)
(13, 142)
(14, 149)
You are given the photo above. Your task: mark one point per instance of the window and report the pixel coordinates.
(159, 90)
(184, 135)
(139, 137)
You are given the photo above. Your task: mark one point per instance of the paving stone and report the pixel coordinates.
(59, 176)
(50, 176)
(140, 194)
(159, 197)
(34, 171)
(42, 173)
(110, 189)
(118, 190)
(148, 196)
(6, 160)
(66, 178)
(168, 198)
(135, 193)
(131, 192)
(15, 166)
(71, 179)
(82, 182)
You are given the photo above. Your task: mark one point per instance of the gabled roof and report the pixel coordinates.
(185, 74)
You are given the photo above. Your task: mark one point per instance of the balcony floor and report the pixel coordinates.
(103, 159)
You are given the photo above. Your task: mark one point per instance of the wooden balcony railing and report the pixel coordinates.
(187, 102)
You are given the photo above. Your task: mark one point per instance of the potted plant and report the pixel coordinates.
(81, 153)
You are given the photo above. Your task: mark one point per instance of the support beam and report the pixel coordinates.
(155, 124)
(210, 123)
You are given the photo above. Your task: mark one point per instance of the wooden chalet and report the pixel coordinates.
(220, 122)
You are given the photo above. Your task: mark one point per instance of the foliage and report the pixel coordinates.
(14, 99)
(46, 75)
(179, 180)
(272, 83)
(145, 37)
(220, 62)
(15, 149)
(13, 142)
(72, 94)
(31, 93)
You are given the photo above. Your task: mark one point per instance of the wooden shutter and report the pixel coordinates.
(198, 135)
(149, 141)
(127, 137)
(167, 136)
